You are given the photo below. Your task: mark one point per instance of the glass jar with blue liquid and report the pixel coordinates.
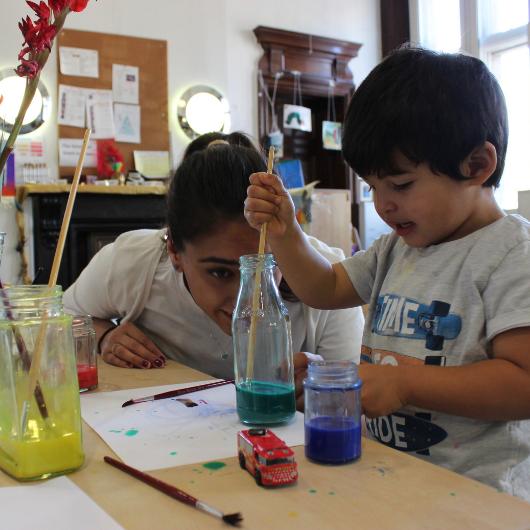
(263, 353)
(332, 420)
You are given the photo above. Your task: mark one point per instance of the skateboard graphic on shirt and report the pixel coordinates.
(404, 317)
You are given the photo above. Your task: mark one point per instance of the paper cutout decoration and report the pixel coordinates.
(332, 135)
(275, 139)
(291, 173)
(297, 117)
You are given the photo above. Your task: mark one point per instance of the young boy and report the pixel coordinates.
(446, 346)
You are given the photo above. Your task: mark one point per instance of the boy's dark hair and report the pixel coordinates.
(202, 142)
(208, 187)
(432, 107)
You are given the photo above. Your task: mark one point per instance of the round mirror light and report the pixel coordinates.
(12, 89)
(202, 109)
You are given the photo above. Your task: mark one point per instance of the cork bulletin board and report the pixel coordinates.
(150, 56)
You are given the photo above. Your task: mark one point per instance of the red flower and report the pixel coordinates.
(78, 5)
(58, 5)
(28, 68)
(37, 36)
(42, 9)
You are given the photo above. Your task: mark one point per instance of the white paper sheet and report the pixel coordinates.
(100, 117)
(127, 121)
(70, 148)
(79, 62)
(166, 433)
(152, 164)
(71, 106)
(56, 504)
(125, 81)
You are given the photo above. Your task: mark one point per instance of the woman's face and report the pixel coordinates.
(211, 267)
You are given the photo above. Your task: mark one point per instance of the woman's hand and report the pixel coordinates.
(128, 347)
(300, 362)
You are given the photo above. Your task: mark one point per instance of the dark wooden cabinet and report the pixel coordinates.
(319, 60)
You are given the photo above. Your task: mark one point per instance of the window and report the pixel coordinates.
(498, 33)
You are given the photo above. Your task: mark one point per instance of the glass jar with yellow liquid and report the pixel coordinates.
(40, 427)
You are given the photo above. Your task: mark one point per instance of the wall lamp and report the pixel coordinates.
(12, 89)
(202, 109)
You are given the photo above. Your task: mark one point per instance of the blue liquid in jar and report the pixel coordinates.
(260, 403)
(332, 440)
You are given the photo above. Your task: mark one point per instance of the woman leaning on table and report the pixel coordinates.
(174, 290)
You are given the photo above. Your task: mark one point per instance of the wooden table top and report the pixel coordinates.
(385, 489)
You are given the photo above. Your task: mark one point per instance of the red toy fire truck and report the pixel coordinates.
(266, 457)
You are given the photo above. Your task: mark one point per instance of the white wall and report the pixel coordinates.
(209, 42)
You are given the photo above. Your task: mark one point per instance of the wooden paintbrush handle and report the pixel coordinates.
(156, 483)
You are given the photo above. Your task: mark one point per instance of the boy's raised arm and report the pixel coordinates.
(313, 279)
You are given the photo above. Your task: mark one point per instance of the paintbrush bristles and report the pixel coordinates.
(233, 519)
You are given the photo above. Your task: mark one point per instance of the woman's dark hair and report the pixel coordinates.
(432, 107)
(200, 143)
(209, 186)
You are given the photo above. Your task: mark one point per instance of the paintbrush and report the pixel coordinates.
(232, 519)
(178, 392)
(257, 284)
(23, 352)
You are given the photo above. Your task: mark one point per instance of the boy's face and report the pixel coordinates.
(425, 208)
(210, 265)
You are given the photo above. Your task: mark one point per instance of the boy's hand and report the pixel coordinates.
(269, 202)
(382, 392)
(128, 347)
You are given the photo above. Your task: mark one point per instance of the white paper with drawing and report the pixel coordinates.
(167, 432)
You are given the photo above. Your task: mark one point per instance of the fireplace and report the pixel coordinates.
(97, 219)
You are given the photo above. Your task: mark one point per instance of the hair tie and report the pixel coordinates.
(217, 142)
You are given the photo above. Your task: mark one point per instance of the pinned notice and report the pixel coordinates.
(152, 164)
(79, 62)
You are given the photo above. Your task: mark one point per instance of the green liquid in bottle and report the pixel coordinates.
(261, 403)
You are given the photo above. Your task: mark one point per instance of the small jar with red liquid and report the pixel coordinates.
(332, 418)
(85, 350)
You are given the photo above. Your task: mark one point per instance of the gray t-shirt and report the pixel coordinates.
(443, 305)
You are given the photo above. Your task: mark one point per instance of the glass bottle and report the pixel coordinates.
(85, 352)
(40, 429)
(263, 353)
(332, 418)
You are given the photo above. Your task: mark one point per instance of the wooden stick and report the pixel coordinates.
(257, 285)
(39, 344)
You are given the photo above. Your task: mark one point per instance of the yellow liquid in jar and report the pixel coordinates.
(49, 447)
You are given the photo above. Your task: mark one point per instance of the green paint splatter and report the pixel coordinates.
(173, 453)
(331, 493)
(453, 494)
(312, 491)
(131, 432)
(214, 466)
(114, 430)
